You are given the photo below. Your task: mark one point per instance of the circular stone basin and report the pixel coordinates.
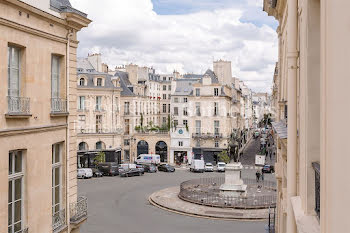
(206, 191)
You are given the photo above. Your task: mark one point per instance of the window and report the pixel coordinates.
(126, 108)
(55, 76)
(164, 87)
(185, 123)
(81, 82)
(169, 87)
(181, 143)
(198, 109)
(216, 127)
(98, 123)
(164, 120)
(126, 142)
(216, 91)
(83, 146)
(100, 145)
(13, 71)
(136, 112)
(164, 96)
(216, 144)
(81, 121)
(168, 107)
(176, 111)
(56, 177)
(198, 127)
(126, 155)
(169, 96)
(185, 111)
(15, 192)
(81, 103)
(99, 82)
(185, 100)
(176, 100)
(164, 108)
(176, 123)
(198, 143)
(98, 103)
(216, 108)
(116, 104)
(198, 92)
(164, 79)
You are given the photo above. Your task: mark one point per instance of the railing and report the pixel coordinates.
(58, 220)
(58, 105)
(100, 131)
(317, 169)
(152, 131)
(18, 105)
(270, 227)
(25, 230)
(207, 135)
(79, 210)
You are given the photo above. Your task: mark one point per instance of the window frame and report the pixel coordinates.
(56, 165)
(18, 69)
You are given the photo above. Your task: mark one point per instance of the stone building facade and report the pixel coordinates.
(38, 47)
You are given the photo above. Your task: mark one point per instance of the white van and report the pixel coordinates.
(148, 159)
(84, 173)
(197, 165)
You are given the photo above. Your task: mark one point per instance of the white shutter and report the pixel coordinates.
(13, 72)
(55, 75)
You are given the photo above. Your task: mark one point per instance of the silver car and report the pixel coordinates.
(221, 167)
(209, 167)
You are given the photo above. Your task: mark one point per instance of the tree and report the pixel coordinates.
(223, 157)
(141, 120)
(169, 122)
(100, 158)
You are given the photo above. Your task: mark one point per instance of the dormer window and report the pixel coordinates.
(99, 82)
(81, 82)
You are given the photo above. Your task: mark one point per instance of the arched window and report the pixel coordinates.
(83, 146)
(82, 82)
(100, 145)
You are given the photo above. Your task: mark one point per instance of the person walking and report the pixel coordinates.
(262, 176)
(257, 176)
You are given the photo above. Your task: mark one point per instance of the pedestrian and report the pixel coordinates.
(262, 176)
(257, 176)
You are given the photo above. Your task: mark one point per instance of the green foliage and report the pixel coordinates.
(100, 158)
(141, 120)
(169, 122)
(223, 157)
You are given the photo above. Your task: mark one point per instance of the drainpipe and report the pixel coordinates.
(69, 35)
(292, 56)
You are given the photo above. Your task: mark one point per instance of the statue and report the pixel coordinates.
(233, 147)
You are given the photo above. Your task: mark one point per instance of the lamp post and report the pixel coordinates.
(132, 153)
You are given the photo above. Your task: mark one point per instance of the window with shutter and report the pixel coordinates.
(55, 76)
(13, 71)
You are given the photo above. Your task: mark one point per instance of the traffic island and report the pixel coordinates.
(168, 199)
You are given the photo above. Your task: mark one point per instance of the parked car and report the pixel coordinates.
(197, 165)
(148, 159)
(141, 168)
(150, 168)
(84, 173)
(166, 168)
(209, 167)
(268, 169)
(96, 172)
(221, 167)
(127, 172)
(109, 168)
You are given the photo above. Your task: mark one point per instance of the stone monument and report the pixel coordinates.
(233, 186)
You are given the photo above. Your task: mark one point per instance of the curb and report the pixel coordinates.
(152, 202)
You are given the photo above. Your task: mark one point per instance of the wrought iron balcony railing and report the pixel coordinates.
(58, 105)
(25, 230)
(317, 169)
(79, 210)
(207, 135)
(59, 220)
(18, 105)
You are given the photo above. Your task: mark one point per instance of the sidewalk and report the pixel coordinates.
(168, 199)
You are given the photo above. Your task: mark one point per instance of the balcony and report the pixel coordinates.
(25, 230)
(317, 169)
(78, 211)
(59, 221)
(207, 135)
(59, 107)
(18, 107)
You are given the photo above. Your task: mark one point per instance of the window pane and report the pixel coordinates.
(18, 189)
(18, 211)
(57, 153)
(10, 163)
(57, 208)
(18, 162)
(10, 214)
(57, 176)
(10, 230)
(10, 191)
(57, 195)
(18, 227)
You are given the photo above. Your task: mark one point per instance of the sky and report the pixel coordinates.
(183, 35)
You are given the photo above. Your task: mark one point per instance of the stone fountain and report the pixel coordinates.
(234, 185)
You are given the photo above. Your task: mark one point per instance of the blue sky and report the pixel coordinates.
(252, 13)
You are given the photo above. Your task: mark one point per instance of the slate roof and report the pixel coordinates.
(184, 86)
(65, 6)
(209, 72)
(281, 129)
(124, 83)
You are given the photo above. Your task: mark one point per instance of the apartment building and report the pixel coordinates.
(38, 46)
(99, 124)
(311, 96)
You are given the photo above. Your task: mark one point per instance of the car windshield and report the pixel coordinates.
(221, 165)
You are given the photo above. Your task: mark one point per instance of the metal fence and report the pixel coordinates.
(205, 191)
(79, 209)
(58, 220)
(18, 105)
(58, 105)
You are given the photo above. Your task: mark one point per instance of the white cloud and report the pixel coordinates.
(130, 31)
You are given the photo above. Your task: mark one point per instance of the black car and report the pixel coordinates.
(166, 168)
(268, 169)
(109, 168)
(96, 172)
(130, 172)
(150, 168)
(141, 168)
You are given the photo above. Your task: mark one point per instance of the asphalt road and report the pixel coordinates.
(120, 205)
